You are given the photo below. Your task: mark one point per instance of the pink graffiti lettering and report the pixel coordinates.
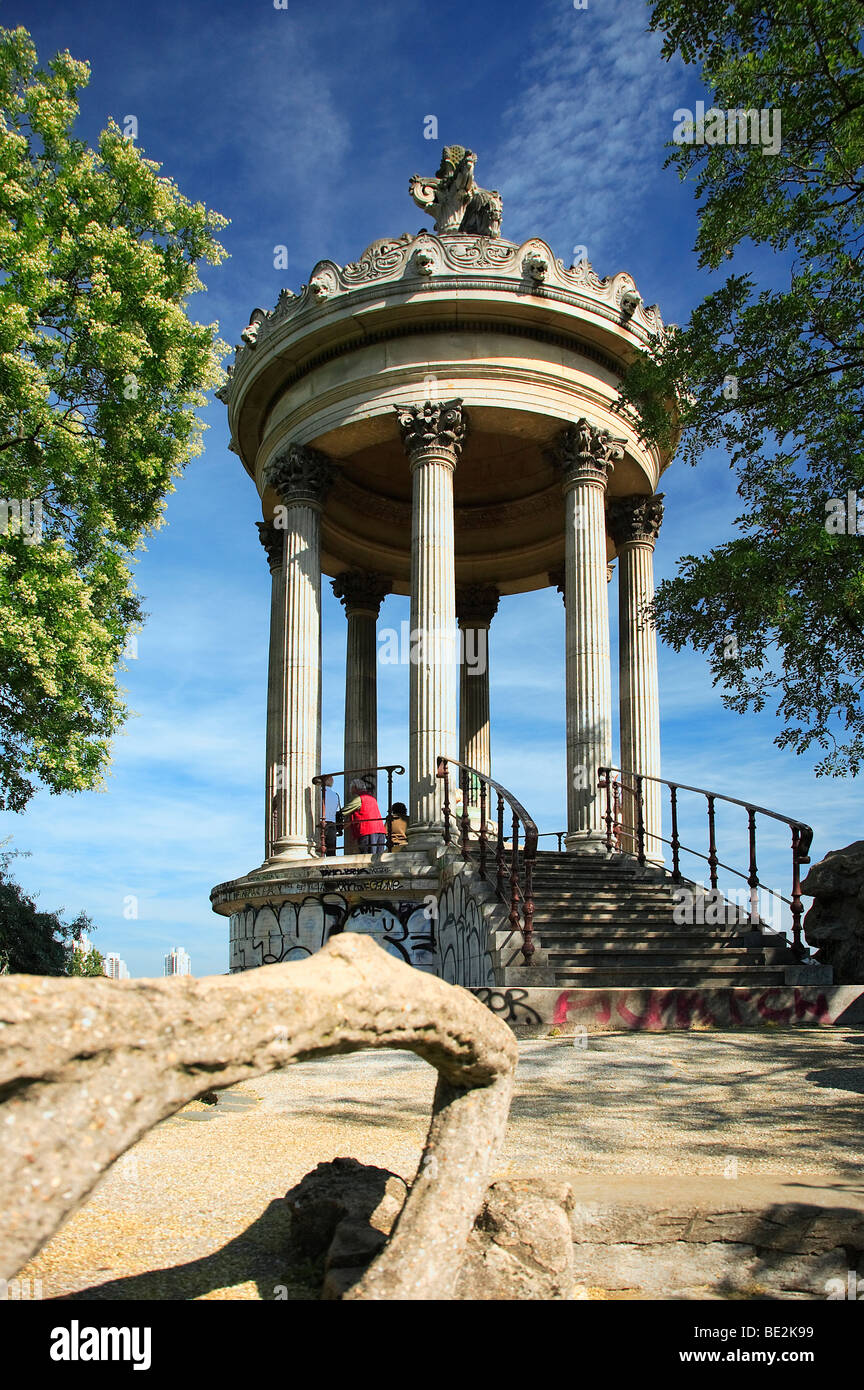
(653, 1010)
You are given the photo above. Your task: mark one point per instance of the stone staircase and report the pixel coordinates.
(604, 923)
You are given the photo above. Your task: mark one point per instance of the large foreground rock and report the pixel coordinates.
(521, 1246)
(835, 922)
(87, 1066)
(541, 1239)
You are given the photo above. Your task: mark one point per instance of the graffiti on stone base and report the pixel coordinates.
(509, 1005)
(402, 928)
(296, 930)
(652, 1010)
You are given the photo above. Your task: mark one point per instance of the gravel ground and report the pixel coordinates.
(195, 1209)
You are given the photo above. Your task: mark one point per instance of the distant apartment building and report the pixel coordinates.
(114, 967)
(178, 962)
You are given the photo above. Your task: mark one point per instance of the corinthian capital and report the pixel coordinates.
(476, 604)
(361, 589)
(273, 540)
(438, 425)
(299, 474)
(584, 452)
(635, 518)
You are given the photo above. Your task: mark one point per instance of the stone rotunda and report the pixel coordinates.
(438, 419)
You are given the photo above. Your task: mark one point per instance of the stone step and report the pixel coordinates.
(566, 889)
(667, 977)
(639, 927)
(675, 960)
(595, 871)
(641, 892)
(607, 923)
(613, 913)
(613, 902)
(660, 941)
(603, 870)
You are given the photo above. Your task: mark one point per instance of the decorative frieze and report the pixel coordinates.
(434, 425)
(585, 452)
(453, 258)
(635, 518)
(468, 518)
(361, 590)
(299, 474)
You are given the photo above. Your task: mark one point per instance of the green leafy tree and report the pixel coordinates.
(34, 942)
(101, 372)
(83, 962)
(773, 374)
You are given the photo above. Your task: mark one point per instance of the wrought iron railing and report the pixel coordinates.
(514, 870)
(320, 781)
(633, 785)
(559, 836)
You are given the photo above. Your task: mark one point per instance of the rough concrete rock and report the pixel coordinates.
(521, 1247)
(835, 922)
(343, 1212)
(692, 1269)
(348, 1198)
(87, 1066)
(540, 1239)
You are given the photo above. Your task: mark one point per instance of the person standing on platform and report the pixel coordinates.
(367, 824)
(332, 805)
(399, 825)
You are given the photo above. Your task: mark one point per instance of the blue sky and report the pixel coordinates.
(303, 126)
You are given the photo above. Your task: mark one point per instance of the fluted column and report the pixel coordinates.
(586, 455)
(273, 541)
(300, 477)
(634, 524)
(476, 606)
(432, 436)
(361, 592)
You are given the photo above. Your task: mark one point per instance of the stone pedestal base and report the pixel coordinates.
(585, 842)
(290, 852)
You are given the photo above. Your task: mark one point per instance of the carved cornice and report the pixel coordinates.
(439, 262)
(476, 604)
(273, 540)
(299, 474)
(434, 425)
(361, 590)
(635, 518)
(585, 453)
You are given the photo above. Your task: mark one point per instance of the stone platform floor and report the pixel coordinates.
(195, 1210)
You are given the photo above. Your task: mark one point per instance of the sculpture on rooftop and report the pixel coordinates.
(456, 202)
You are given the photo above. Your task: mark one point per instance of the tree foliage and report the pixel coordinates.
(773, 373)
(39, 943)
(83, 962)
(101, 372)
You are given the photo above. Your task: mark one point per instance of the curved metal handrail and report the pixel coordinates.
(559, 835)
(802, 837)
(517, 885)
